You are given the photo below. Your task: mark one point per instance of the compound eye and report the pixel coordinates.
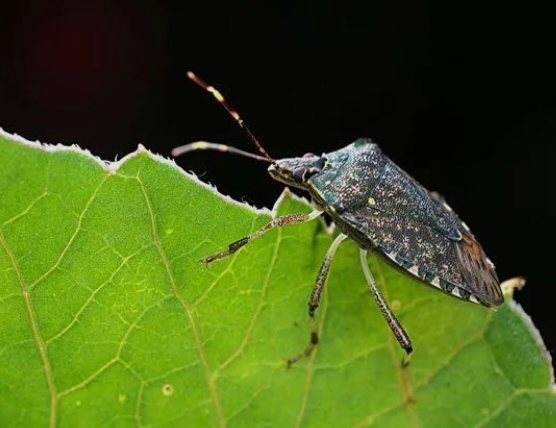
(309, 155)
(298, 174)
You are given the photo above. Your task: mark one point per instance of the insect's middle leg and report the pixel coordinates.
(315, 299)
(277, 222)
(401, 336)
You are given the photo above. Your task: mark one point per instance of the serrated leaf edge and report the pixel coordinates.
(518, 310)
(112, 167)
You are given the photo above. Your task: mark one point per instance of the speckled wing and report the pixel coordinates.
(476, 268)
(418, 231)
(457, 267)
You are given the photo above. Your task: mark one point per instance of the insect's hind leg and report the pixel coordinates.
(315, 300)
(277, 222)
(399, 332)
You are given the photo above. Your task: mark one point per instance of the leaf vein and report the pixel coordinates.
(73, 236)
(116, 358)
(93, 294)
(25, 211)
(258, 309)
(504, 404)
(403, 375)
(36, 332)
(310, 370)
(187, 309)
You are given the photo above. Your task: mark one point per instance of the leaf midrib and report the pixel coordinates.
(36, 332)
(200, 348)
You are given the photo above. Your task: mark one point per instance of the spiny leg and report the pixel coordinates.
(315, 299)
(277, 222)
(393, 323)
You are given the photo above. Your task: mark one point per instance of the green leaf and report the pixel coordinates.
(108, 319)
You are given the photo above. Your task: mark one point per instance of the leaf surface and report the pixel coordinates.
(108, 320)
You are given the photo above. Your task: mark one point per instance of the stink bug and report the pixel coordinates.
(379, 206)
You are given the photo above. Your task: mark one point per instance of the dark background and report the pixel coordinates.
(457, 94)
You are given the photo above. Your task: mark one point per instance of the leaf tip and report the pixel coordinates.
(285, 196)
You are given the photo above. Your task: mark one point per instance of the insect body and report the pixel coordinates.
(379, 206)
(384, 210)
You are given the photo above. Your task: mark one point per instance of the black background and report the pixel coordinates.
(457, 94)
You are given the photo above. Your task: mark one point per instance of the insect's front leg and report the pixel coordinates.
(315, 299)
(277, 222)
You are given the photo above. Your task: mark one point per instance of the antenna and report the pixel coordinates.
(232, 112)
(224, 148)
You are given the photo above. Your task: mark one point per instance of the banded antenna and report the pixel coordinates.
(203, 145)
